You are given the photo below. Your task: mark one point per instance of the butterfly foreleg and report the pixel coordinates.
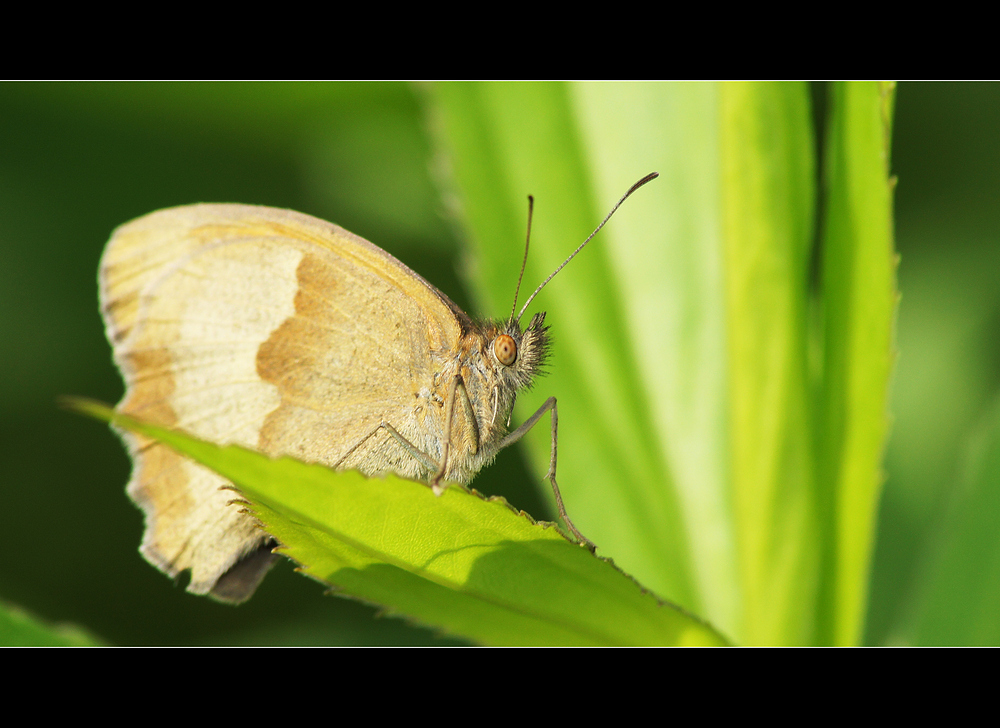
(549, 406)
(457, 389)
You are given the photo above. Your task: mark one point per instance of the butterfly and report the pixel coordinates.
(287, 334)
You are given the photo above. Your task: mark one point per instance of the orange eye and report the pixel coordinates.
(505, 349)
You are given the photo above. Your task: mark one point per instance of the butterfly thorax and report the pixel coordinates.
(494, 361)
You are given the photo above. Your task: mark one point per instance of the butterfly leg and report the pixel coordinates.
(418, 455)
(549, 406)
(456, 384)
(439, 470)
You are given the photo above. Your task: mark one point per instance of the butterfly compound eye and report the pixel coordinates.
(505, 349)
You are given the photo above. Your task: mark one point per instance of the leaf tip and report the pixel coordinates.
(86, 406)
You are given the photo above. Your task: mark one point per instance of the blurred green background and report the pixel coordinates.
(76, 160)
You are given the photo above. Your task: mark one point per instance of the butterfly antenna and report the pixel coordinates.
(527, 239)
(649, 177)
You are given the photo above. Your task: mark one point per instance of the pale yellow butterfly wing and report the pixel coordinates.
(273, 330)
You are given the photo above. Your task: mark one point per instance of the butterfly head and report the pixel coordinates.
(519, 355)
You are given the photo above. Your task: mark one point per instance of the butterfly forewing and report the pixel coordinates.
(276, 331)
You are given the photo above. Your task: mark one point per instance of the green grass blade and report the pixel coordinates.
(665, 257)
(859, 299)
(768, 207)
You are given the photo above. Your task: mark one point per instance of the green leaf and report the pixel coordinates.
(20, 629)
(463, 564)
(768, 200)
(859, 302)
